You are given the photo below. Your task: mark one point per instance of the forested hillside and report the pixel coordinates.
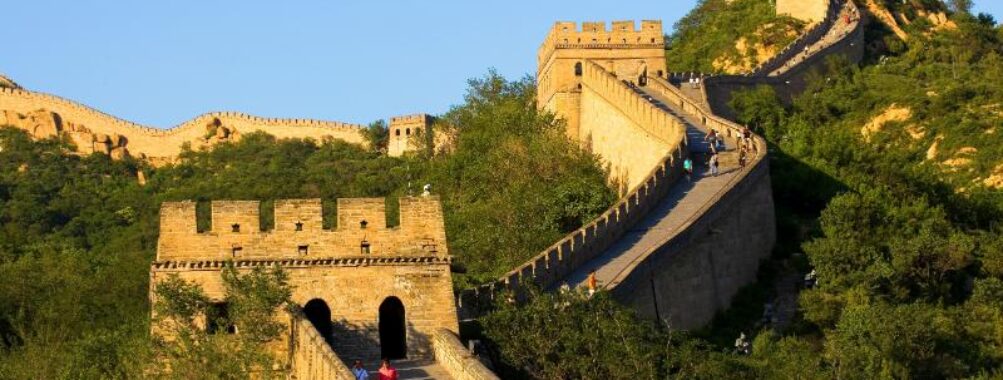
(77, 234)
(729, 36)
(886, 179)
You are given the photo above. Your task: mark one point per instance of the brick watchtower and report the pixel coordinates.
(370, 289)
(625, 51)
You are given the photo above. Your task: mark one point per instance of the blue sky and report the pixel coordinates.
(160, 63)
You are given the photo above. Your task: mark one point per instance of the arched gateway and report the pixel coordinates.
(340, 277)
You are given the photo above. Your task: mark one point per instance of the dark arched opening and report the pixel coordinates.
(319, 314)
(578, 69)
(393, 332)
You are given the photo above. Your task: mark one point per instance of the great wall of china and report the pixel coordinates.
(676, 249)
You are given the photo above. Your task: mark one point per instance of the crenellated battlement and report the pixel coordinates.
(145, 141)
(361, 230)
(594, 35)
(409, 119)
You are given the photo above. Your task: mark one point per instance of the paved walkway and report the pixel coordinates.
(684, 201)
(414, 369)
(840, 28)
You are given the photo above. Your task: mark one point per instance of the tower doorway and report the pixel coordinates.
(393, 331)
(319, 314)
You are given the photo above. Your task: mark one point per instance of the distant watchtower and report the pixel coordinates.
(627, 52)
(405, 132)
(810, 11)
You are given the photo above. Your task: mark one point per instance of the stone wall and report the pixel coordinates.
(353, 288)
(457, 360)
(624, 50)
(580, 246)
(807, 10)
(627, 132)
(299, 233)
(86, 126)
(405, 132)
(311, 357)
(818, 29)
(719, 90)
(409, 262)
(696, 270)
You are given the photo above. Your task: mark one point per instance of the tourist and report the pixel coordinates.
(360, 371)
(712, 139)
(593, 284)
(387, 371)
(713, 164)
(741, 157)
(742, 344)
(688, 168)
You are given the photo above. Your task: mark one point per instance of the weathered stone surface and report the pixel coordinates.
(409, 262)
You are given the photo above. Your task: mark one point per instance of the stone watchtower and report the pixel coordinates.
(627, 52)
(810, 11)
(405, 132)
(371, 290)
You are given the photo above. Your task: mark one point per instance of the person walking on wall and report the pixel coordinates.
(712, 139)
(713, 164)
(387, 371)
(688, 168)
(360, 371)
(593, 283)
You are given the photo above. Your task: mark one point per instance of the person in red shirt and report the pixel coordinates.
(387, 371)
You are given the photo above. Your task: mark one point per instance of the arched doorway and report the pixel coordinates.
(393, 331)
(319, 314)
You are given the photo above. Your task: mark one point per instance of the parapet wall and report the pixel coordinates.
(719, 90)
(166, 143)
(695, 271)
(625, 130)
(580, 246)
(827, 17)
(594, 35)
(310, 356)
(299, 234)
(456, 360)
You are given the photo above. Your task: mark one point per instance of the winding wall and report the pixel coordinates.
(676, 250)
(166, 143)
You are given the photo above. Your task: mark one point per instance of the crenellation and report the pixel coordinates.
(299, 215)
(361, 230)
(236, 217)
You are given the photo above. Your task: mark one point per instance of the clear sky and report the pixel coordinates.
(162, 62)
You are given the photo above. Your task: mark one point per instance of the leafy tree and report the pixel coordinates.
(191, 344)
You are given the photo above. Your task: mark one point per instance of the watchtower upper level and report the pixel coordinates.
(625, 50)
(361, 230)
(810, 11)
(404, 132)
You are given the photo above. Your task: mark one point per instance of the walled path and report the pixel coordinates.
(415, 370)
(839, 30)
(685, 201)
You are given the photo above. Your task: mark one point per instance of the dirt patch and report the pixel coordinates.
(995, 180)
(894, 112)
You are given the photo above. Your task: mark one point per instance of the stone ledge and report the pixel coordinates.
(167, 266)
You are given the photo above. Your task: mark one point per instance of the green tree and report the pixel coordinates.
(191, 342)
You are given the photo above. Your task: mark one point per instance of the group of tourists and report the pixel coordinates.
(386, 371)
